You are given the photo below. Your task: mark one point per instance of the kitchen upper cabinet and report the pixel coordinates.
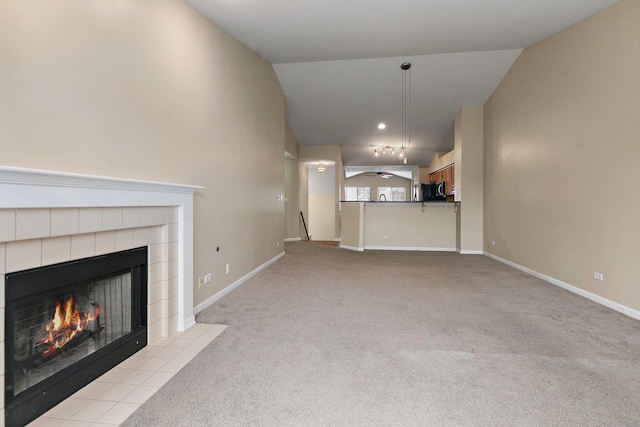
(447, 175)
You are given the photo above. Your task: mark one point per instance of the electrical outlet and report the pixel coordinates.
(278, 244)
(207, 278)
(384, 237)
(493, 243)
(598, 276)
(228, 268)
(200, 282)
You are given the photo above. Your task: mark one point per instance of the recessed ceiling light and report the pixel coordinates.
(382, 126)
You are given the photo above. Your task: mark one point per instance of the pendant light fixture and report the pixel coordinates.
(406, 118)
(406, 109)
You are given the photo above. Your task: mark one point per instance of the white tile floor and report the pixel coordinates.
(110, 399)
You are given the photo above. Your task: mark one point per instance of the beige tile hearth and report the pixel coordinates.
(110, 399)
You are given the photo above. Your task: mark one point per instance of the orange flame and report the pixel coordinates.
(65, 324)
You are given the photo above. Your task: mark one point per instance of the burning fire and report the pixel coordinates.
(66, 323)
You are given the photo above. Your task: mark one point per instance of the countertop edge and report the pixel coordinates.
(401, 203)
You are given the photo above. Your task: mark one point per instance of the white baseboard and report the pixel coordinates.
(467, 252)
(407, 248)
(352, 248)
(337, 239)
(292, 239)
(206, 303)
(586, 294)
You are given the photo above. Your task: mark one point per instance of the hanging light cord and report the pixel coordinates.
(409, 107)
(404, 105)
(406, 108)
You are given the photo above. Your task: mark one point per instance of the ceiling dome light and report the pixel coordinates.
(382, 126)
(321, 168)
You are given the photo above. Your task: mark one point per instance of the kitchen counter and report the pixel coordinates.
(441, 202)
(418, 226)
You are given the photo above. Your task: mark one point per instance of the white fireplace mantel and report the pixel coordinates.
(22, 188)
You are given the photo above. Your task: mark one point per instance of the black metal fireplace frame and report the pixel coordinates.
(33, 402)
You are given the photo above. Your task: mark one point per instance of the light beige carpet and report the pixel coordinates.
(328, 337)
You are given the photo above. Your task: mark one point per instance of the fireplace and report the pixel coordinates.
(50, 217)
(66, 324)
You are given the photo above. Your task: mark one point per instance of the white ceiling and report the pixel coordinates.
(339, 61)
(342, 102)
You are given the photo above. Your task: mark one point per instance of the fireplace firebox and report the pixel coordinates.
(67, 324)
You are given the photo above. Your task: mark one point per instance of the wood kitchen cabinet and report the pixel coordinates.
(447, 175)
(435, 176)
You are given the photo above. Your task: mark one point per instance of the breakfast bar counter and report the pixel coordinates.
(417, 226)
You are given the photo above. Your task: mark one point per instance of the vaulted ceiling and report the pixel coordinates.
(339, 62)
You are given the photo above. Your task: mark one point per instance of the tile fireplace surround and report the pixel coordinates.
(51, 217)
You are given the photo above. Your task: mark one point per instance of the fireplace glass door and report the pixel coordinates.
(67, 324)
(55, 329)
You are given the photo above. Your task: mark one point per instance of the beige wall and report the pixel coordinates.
(292, 223)
(292, 196)
(352, 225)
(331, 153)
(290, 143)
(340, 177)
(468, 154)
(150, 90)
(321, 221)
(303, 197)
(561, 151)
(373, 182)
